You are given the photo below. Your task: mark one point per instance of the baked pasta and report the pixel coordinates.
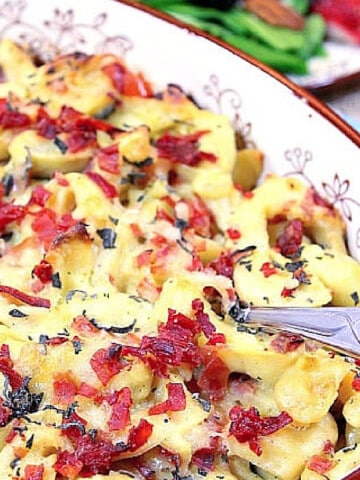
(133, 228)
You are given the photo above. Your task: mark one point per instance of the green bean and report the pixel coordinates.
(282, 61)
(314, 34)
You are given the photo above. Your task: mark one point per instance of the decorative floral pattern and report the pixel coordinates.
(61, 33)
(65, 30)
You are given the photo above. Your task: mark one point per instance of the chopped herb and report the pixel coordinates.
(355, 297)
(114, 328)
(17, 313)
(239, 311)
(105, 112)
(14, 463)
(108, 236)
(61, 145)
(55, 280)
(8, 183)
(22, 401)
(71, 293)
(293, 266)
(144, 163)
(114, 220)
(7, 236)
(77, 345)
(29, 441)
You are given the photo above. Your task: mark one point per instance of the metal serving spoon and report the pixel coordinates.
(336, 327)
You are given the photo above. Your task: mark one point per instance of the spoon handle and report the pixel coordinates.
(337, 327)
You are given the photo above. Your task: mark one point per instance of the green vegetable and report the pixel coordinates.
(314, 33)
(282, 48)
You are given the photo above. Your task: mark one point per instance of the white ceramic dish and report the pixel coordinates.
(298, 133)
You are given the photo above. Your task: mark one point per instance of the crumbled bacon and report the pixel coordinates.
(175, 402)
(287, 292)
(23, 297)
(233, 233)
(108, 159)
(268, 269)
(5, 413)
(320, 464)
(126, 82)
(286, 342)
(7, 368)
(120, 413)
(223, 265)
(34, 472)
(47, 225)
(214, 377)
(249, 426)
(11, 118)
(204, 458)
(290, 240)
(139, 435)
(11, 213)
(107, 362)
(108, 189)
(64, 389)
(43, 271)
(183, 149)
(39, 195)
(355, 384)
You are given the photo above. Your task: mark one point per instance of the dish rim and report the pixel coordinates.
(301, 92)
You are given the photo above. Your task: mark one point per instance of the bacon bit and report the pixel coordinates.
(47, 225)
(204, 458)
(195, 265)
(14, 431)
(173, 345)
(43, 271)
(108, 159)
(321, 201)
(355, 384)
(144, 258)
(11, 213)
(108, 189)
(162, 214)
(286, 342)
(120, 413)
(24, 297)
(290, 240)
(233, 233)
(87, 390)
(7, 368)
(249, 425)
(287, 292)
(126, 82)
(320, 464)
(73, 426)
(328, 447)
(200, 218)
(176, 400)
(268, 269)
(139, 435)
(214, 377)
(34, 472)
(55, 341)
(277, 219)
(216, 339)
(39, 196)
(5, 414)
(11, 118)
(183, 149)
(223, 265)
(148, 290)
(45, 125)
(107, 362)
(90, 456)
(83, 325)
(64, 389)
(136, 230)
(61, 180)
(202, 318)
